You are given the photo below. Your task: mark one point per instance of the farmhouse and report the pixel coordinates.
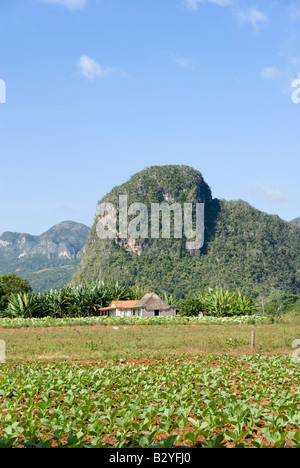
(149, 306)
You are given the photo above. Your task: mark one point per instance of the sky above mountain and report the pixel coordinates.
(97, 90)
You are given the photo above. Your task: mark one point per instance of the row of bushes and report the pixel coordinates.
(71, 301)
(85, 300)
(280, 303)
(218, 302)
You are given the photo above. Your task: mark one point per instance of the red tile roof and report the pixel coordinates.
(120, 305)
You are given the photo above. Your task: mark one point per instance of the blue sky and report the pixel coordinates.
(97, 90)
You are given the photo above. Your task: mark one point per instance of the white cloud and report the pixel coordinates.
(193, 5)
(184, 62)
(285, 76)
(252, 16)
(272, 195)
(92, 70)
(271, 73)
(72, 5)
(255, 17)
(294, 10)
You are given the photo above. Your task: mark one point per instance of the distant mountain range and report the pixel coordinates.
(296, 221)
(47, 261)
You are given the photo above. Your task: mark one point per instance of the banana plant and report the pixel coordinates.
(22, 305)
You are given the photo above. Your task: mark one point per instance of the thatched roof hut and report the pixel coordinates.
(152, 301)
(150, 305)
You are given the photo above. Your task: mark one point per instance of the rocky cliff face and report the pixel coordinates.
(38, 257)
(64, 240)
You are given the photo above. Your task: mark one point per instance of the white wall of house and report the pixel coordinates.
(127, 312)
(141, 313)
(162, 313)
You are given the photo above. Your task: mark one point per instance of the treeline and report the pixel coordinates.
(70, 301)
(86, 300)
(18, 300)
(9, 285)
(218, 302)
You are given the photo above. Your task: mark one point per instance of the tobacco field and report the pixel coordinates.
(211, 402)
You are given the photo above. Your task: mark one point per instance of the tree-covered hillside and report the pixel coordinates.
(244, 248)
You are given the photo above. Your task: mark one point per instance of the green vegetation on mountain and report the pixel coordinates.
(245, 249)
(46, 261)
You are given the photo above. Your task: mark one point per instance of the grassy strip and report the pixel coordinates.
(128, 321)
(137, 342)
